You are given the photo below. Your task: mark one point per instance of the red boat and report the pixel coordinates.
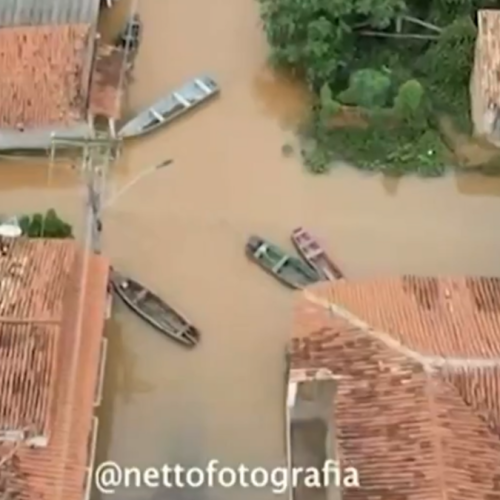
(314, 254)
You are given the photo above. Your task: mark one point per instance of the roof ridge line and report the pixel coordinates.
(460, 363)
(430, 363)
(384, 337)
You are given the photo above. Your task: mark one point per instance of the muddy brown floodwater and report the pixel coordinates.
(182, 230)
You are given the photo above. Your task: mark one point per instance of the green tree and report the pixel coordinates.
(36, 226)
(317, 38)
(328, 105)
(55, 227)
(48, 225)
(425, 44)
(368, 88)
(408, 103)
(24, 223)
(449, 61)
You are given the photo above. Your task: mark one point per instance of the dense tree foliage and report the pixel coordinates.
(368, 88)
(316, 37)
(405, 60)
(48, 225)
(322, 39)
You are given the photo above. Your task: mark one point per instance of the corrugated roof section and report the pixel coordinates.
(46, 12)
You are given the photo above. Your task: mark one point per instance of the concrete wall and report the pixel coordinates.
(312, 439)
(39, 139)
(485, 115)
(482, 117)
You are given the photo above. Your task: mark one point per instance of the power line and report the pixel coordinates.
(98, 152)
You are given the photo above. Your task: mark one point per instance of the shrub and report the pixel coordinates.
(48, 225)
(368, 88)
(410, 106)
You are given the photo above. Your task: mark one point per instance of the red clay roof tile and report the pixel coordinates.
(33, 278)
(27, 373)
(43, 78)
(418, 361)
(58, 471)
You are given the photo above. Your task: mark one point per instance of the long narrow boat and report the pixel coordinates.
(154, 310)
(174, 105)
(291, 271)
(314, 254)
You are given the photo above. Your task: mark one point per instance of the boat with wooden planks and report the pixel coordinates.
(154, 310)
(314, 254)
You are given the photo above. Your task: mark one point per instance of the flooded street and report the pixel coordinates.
(181, 231)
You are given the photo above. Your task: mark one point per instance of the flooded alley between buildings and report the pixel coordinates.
(182, 230)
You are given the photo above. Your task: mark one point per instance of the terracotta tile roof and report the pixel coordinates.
(27, 372)
(58, 471)
(43, 75)
(33, 278)
(11, 475)
(106, 86)
(418, 365)
(488, 51)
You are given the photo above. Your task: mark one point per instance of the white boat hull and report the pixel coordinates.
(175, 104)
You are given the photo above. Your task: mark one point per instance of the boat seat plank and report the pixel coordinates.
(260, 251)
(311, 246)
(300, 233)
(203, 86)
(329, 275)
(311, 254)
(279, 265)
(140, 296)
(181, 99)
(157, 115)
(183, 330)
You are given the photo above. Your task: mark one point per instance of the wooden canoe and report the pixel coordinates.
(291, 271)
(154, 310)
(314, 254)
(175, 104)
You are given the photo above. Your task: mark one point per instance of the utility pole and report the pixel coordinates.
(98, 152)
